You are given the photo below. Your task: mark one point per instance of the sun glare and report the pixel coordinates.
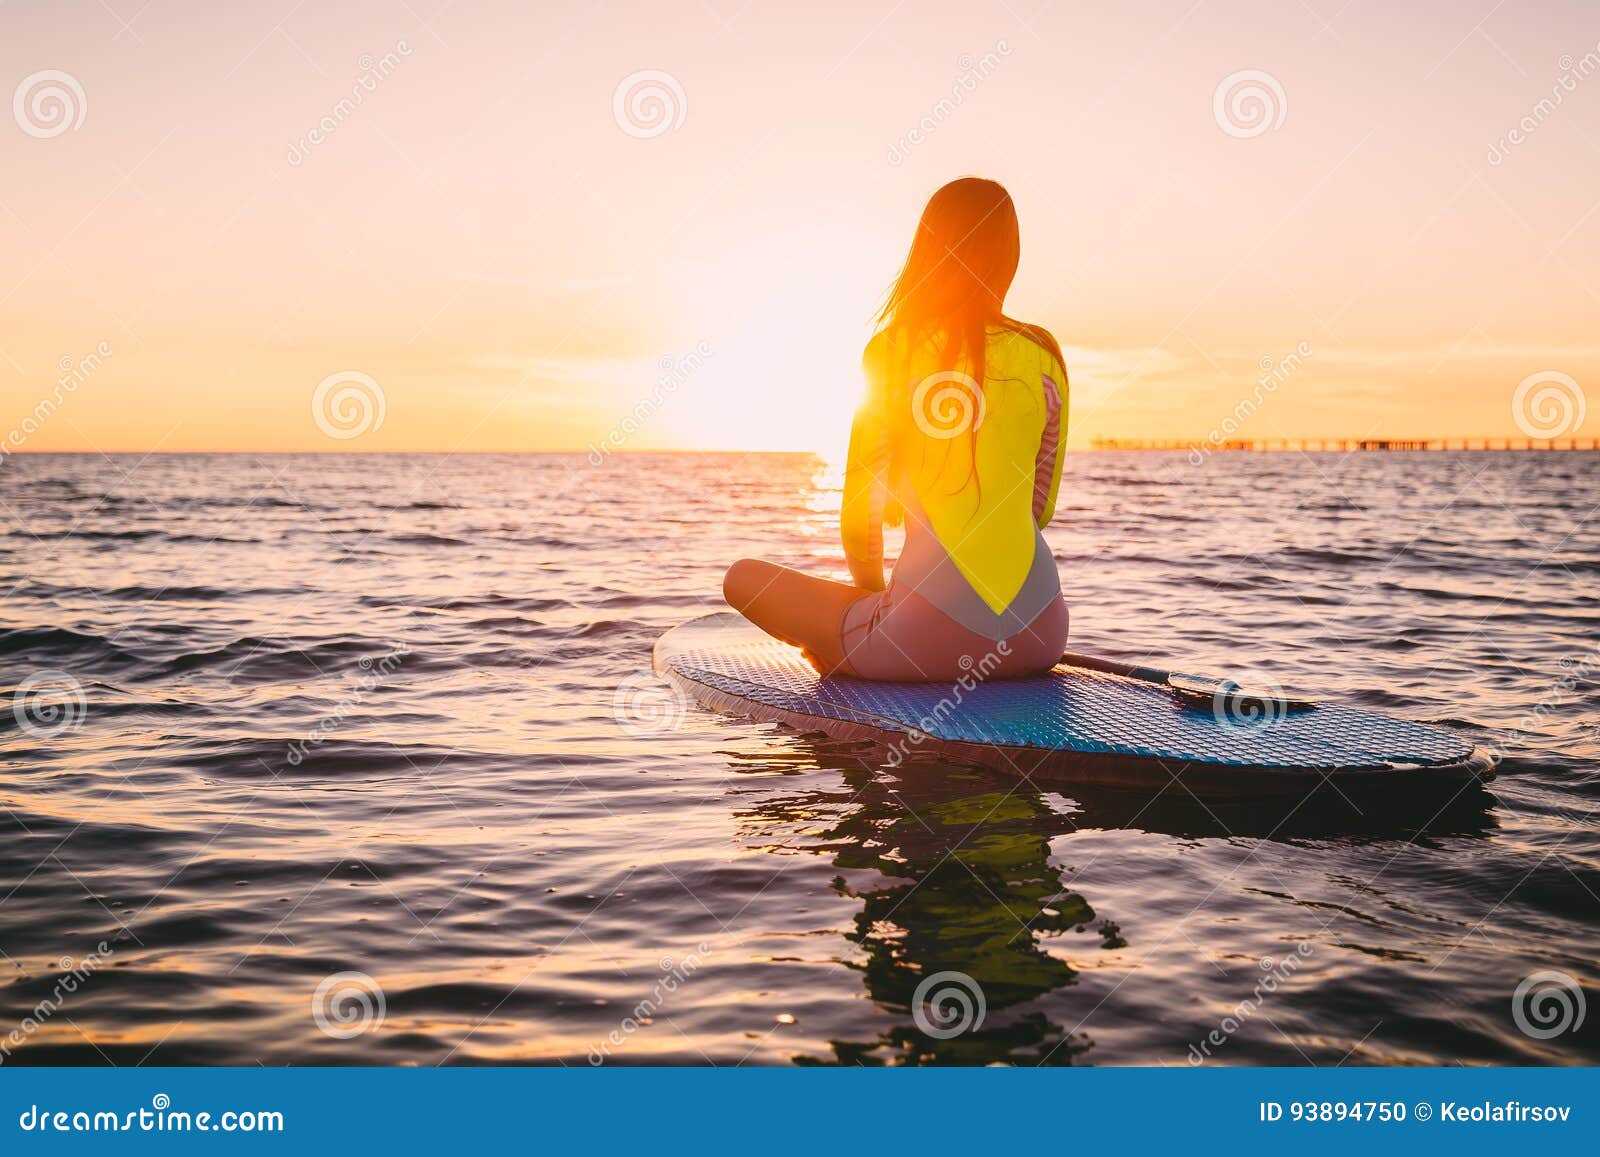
(784, 371)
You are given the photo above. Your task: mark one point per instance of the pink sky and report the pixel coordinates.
(511, 262)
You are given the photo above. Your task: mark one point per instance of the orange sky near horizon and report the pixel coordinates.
(280, 227)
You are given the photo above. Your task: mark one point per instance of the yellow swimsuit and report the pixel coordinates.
(975, 472)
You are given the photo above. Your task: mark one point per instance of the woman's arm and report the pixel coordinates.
(866, 486)
(1047, 467)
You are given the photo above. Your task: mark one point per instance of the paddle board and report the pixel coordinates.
(1088, 721)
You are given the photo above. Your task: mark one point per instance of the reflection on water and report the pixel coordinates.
(359, 714)
(954, 874)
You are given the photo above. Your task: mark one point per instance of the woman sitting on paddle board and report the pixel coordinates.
(960, 435)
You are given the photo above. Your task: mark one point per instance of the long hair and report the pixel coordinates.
(953, 285)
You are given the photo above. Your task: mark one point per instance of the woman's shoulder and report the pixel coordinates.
(878, 345)
(877, 358)
(1033, 339)
(895, 344)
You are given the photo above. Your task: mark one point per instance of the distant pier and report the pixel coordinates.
(1345, 445)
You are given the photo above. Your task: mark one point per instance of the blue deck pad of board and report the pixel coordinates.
(1070, 709)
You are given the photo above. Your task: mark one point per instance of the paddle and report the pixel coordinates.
(1195, 688)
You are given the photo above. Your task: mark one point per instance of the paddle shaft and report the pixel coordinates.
(1112, 667)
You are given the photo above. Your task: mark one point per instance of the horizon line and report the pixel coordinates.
(1098, 446)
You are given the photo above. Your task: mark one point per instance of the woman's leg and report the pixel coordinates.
(798, 608)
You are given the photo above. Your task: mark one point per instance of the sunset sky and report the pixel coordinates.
(511, 253)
